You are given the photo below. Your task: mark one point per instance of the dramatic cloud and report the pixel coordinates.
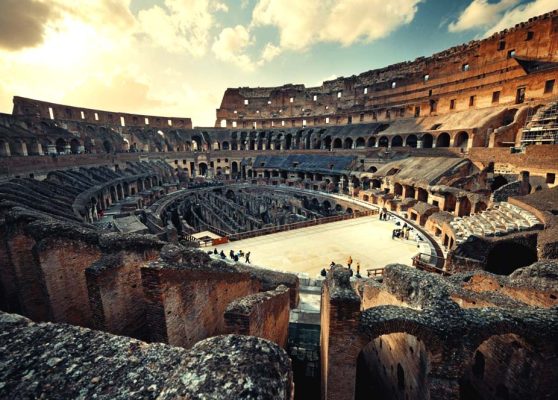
(22, 23)
(183, 25)
(230, 47)
(493, 17)
(302, 24)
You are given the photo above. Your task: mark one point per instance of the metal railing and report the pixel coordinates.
(429, 262)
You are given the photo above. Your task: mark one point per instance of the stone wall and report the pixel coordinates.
(68, 362)
(264, 314)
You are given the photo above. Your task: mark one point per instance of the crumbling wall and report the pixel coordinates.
(264, 314)
(70, 362)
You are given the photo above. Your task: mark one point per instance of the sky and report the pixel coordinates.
(177, 57)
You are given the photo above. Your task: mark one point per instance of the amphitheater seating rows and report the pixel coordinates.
(498, 220)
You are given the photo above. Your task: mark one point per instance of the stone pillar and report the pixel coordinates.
(419, 143)
(67, 149)
(51, 149)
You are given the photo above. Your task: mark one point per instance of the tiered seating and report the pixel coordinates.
(501, 219)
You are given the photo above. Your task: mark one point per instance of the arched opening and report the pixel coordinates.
(393, 366)
(202, 167)
(74, 146)
(383, 142)
(234, 169)
(411, 141)
(505, 366)
(427, 141)
(225, 146)
(464, 207)
(61, 146)
(348, 144)
(197, 143)
(480, 206)
(506, 257)
(397, 189)
(288, 141)
(360, 143)
(422, 195)
(371, 142)
(337, 143)
(107, 145)
(461, 140)
(443, 140)
(327, 142)
(326, 207)
(250, 173)
(397, 141)
(498, 182)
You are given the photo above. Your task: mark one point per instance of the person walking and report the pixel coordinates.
(247, 257)
(231, 254)
(349, 261)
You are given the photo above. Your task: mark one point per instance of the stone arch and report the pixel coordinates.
(443, 140)
(504, 366)
(234, 168)
(480, 206)
(461, 139)
(202, 168)
(383, 141)
(107, 145)
(464, 207)
(337, 143)
(288, 141)
(391, 351)
(371, 142)
(411, 141)
(348, 143)
(61, 146)
(75, 146)
(507, 256)
(327, 142)
(396, 141)
(498, 182)
(225, 145)
(398, 189)
(427, 141)
(372, 169)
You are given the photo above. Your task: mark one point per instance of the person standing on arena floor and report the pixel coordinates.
(349, 261)
(247, 257)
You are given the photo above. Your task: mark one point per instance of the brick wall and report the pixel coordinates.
(264, 314)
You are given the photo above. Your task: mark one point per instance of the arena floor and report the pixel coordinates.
(367, 240)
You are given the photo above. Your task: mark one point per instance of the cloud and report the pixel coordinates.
(230, 46)
(522, 13)
(22, 23)
(269, 52)
(302, 24)
(480, 13)
(182, 25)
(494, 17)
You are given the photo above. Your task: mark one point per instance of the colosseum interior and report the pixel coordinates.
(118, 234)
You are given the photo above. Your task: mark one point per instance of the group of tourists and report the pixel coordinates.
(323, 272)
(234, 256)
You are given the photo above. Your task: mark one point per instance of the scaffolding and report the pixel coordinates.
(541, 126)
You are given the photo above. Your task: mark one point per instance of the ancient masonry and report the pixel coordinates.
(105, 293)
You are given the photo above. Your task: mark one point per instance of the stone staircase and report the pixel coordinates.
(498, 220)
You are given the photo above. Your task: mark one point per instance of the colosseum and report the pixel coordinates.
(399, 228)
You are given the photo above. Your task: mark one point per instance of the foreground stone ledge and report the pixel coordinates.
(66, 362)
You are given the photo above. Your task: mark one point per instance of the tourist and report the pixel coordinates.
(222, 254)
(247, 257)
(332, 264)
(358, 269)
(215, 251)
(235, 258)
(349, 261)
(231, 254)
(323, 272)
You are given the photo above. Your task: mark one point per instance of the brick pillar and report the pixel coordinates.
(339, 343)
